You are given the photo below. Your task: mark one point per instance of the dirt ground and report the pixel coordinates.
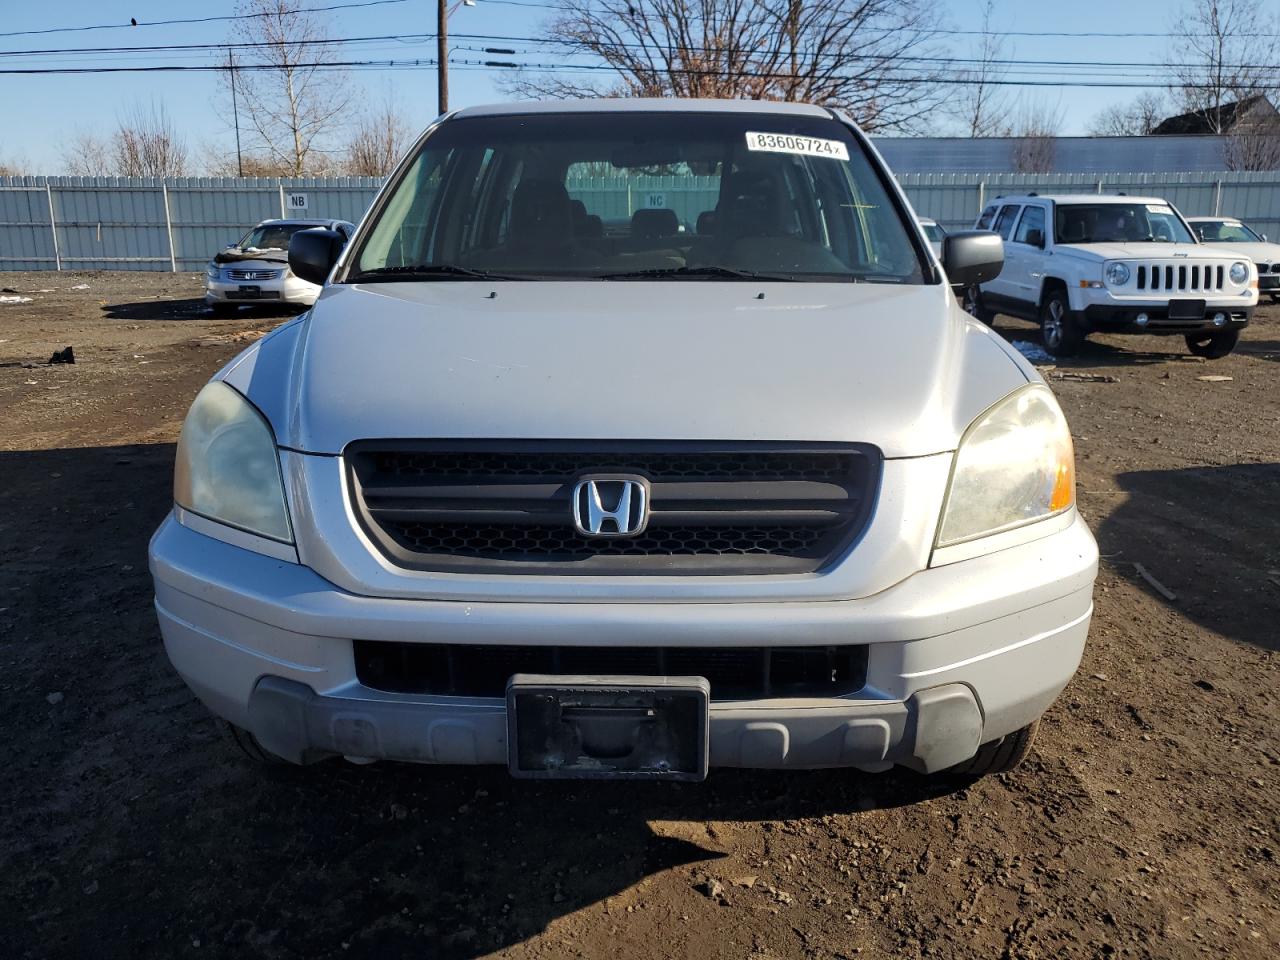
(1145, 825)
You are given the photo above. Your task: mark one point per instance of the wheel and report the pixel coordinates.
(972, 304)
(1059, 331)
(998, 756)
(1215, 346)
(249, 745)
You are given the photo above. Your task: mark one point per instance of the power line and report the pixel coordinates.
(166, 23)
(574, 68)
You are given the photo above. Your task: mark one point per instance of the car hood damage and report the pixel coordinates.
(897, 366)
(237, 256)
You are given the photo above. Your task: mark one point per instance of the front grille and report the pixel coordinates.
(253, 274)
(1181, 277)
(734, 673)
(506, 507)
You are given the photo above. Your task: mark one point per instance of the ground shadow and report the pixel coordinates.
(191, 309)
(1094, 353)
(1210, 535)
(144, 830)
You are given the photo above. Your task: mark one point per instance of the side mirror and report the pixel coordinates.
(1264, 238)
(1036, 238)
(971, 257)
(312, 253)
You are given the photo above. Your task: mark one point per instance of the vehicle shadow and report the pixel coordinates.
(1094, 353)
(146, 830)
(1263, 349)
(1211, 536)
(191, 309)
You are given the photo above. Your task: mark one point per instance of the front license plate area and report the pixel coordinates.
(1186, 309)
(608, 728)
(249, 293)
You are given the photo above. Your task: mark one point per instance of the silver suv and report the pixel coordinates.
(628, 439)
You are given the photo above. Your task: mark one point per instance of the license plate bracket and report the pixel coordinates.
(608, 728)
(1186, 309)
(249, 292)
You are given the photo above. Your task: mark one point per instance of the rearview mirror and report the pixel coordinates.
(972, 257)
(312, 253)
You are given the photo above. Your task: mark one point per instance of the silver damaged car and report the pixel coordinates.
(256, 268)
(626, 440)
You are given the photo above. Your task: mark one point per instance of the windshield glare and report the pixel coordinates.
(1222, 231)
(272, 236)
(663, 195)
(1119, 223)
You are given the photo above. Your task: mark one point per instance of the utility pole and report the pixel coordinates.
(442, 52)
(235, 111)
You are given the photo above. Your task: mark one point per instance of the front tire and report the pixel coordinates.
(1059, 331)
(1213, 346)
(998, 756)
(972, 303)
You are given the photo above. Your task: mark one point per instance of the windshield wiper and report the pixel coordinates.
(728, 273)
(426, 271)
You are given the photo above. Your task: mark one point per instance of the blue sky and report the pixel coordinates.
(39, 113)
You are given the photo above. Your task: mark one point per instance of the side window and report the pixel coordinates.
(1004, 222)
(1031, 227)
(988, 215)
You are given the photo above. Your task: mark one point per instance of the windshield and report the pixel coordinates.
(934, 232)
(1226, 231)
(272, 236)
(706, 196)
(1119, 223)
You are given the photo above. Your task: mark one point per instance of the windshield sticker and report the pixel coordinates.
(1159, 208)
(790, 143)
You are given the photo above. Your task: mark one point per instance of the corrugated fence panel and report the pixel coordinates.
(26, 236)
(120, 223)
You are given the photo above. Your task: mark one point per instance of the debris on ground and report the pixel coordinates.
(1032, 351)
(66, 355)
(54, 699)
(242, 336)
(711, 888)
(1082, 377)
(1156, 585)
(1214, 378)
(15, 299)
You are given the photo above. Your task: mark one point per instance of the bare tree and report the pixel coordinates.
(1134, 119)
(1257, 147)
(862, 55)
(294, 102)
(146, 144)
(1223, 52)
(379, 140)
(12, 167)
(981, 102)
(86, 155)
(1036, 128)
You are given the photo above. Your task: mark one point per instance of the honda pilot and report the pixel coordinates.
(628, 440)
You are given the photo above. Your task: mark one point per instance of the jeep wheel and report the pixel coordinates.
(1215, 346)
(998, 756)
(972, 303)
(1059, 331)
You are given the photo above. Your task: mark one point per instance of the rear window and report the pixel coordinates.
(1004, 222)
(651, 196)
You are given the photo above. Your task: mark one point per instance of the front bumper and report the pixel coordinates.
(957, 656)
(1107, 318)
(285, 289)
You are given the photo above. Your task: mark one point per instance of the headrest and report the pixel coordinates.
(651, 224)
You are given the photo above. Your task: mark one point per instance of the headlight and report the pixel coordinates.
(1239, 273)
(211, 272)
(1117, 274)
(227, 467)
(1015, 465)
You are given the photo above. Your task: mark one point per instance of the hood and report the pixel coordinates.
(900, 367)
(236, 256)
(1145, 251)
(1257, 252)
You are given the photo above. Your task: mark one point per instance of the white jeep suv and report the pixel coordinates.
(1084, 263)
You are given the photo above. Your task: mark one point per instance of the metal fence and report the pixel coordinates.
(118, 223)
(956, 199)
